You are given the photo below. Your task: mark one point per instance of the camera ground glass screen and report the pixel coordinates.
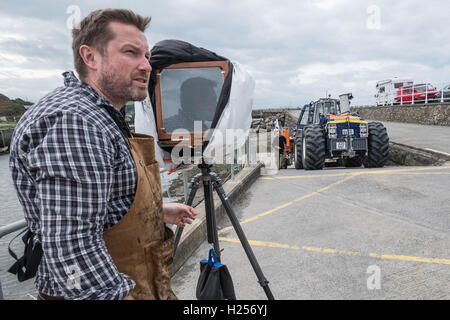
(189, 95)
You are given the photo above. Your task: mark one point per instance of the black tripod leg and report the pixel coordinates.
(243, 239)
(211, 226)
(194, 187)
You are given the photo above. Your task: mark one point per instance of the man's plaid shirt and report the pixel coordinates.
(75, 178)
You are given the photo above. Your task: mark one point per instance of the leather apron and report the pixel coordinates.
(140, 244)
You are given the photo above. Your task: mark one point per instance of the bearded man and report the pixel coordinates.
(90, 188)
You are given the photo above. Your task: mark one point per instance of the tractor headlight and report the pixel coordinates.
(363, 130)
(332, 131)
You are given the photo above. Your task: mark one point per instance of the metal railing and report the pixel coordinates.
(5, 137)
(5, 230)
(422, 93)
(228, 169)
(243, 157)
(10, 228)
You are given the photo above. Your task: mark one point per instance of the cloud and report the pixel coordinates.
(7, 36)
(32, 50)
(9, 73)
(316, 72)
(8, 59)
(328, 4)
(359, 77)
(295, 50)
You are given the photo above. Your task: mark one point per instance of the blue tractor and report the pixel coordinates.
(327, 132)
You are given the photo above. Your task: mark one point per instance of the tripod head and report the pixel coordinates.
(204, 167)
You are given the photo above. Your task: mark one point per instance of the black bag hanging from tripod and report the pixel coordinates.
(215, 281)
(26, 266)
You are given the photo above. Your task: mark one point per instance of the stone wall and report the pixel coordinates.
(263, 118)
(428, 114)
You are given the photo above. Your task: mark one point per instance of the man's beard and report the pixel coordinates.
(119, 88)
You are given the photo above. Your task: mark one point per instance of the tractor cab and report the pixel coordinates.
(325, 108)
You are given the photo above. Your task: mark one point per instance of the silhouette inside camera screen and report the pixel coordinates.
(189, 95)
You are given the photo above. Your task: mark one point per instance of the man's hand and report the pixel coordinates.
(178, 214)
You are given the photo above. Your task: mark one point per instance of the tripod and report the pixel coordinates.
(210, 180)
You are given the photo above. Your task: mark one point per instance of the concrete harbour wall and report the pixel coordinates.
(427, 114)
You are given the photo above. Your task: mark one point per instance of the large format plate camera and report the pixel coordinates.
(195, 96)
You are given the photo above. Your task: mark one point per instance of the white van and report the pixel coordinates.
(387, 90)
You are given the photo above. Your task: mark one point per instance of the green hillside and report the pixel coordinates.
(11, 108)
(16, 108)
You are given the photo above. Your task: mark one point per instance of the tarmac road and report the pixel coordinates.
(339, 234)
(436, 138)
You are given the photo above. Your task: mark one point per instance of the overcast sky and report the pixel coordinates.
(295, 50)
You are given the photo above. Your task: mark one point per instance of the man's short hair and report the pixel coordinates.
(94, 31)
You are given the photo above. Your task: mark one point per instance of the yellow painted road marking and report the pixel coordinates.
(395, 171)
(307, 176)
(381, 172)
(409, 258)
(423, 173)
(342, 252)
(348, 175)
(282, 206)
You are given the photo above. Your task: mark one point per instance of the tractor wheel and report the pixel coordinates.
(298, 154)
(313, 148)
(378, 144)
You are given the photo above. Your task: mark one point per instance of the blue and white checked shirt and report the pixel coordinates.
(75, 178)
